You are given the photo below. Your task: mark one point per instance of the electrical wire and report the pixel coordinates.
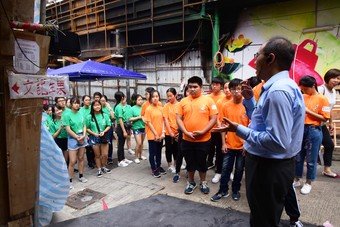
(16, 40)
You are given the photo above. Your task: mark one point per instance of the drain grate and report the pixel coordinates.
(84, 198)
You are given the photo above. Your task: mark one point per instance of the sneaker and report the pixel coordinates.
(137, 160)
(106, 170)
(100, 173)
(296, 183)
(156, 173)
(110, 161)
(71, 186)
(175, 179)
(161, 171)
(172, 169)
(82, 179)
(143, 157)
(122, 164)
(306, 189)
(183, 166)
(210, 165)
(76, 170)
(127, 161)
(189, 189)
(216, 178)
(296, 224)
(219, 196)
(131, 152)
(204, 187)
(236, 196)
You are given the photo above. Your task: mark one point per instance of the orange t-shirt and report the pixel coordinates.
(216, 97)
(154, 115)
(236, 113)
(196, 114)
(220, 104)
(146, 105)
(169, 112)
(257, 91)
(318, 104)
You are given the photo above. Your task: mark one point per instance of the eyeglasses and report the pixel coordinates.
(256, 55)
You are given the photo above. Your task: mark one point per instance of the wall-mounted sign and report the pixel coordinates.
(23, 86)
(28, 50)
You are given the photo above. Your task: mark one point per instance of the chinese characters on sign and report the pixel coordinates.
(28, 49)
(37, 86)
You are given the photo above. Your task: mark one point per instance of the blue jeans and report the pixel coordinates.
(312, 138)
(155, 154)
(231, 157)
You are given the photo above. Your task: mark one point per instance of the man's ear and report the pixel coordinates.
(270, 58)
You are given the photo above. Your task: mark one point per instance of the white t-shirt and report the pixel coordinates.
(330, 94)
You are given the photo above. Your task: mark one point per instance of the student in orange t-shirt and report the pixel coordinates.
(216, 94)
(147, 103)
(155, 133)
(171, 134)
(196, 115)
(317, 111)
(232, 145)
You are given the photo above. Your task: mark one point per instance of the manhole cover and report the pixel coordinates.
(84, 198)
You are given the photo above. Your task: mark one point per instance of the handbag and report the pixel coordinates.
(102, 139)
(127, 125)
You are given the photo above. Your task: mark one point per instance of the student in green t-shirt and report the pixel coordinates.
(98, 125)
(76, 129)
(122, 114)
(58, 131)
(138, 127)
(106, 108)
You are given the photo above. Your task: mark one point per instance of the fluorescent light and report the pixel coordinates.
(318, 29)
(117, 56)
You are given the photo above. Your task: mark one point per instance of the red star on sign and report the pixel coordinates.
(15, 88)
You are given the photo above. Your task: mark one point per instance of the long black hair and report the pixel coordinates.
(308, 81)
(119, 97)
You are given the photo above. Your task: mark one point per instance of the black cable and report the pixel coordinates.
(16, 40)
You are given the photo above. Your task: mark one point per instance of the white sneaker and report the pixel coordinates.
(305, 190)
(216, 178)
(131, 152)
(143, 157)
(122, 164)
(297, 183)
(71, 186)
(296, 224)
(82, 179)
(172, 169)
(137, 160)
(127, 161)
(183, 166)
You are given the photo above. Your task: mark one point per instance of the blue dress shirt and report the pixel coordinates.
(277, 121)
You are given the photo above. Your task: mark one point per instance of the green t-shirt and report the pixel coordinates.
(139, 124)
(76, 121)
(85, 111)
(103, 122)
(48, 121)
(54, 126)
(123, 112)
(65, 112)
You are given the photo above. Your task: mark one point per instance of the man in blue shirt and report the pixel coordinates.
(274, 135)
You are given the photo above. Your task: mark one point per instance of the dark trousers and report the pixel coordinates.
(267, 185)
(215, 147)
(90, 156)
(328, 145)
(230, 158)
(180, 154)
(121, 142)
(171, 148)
(110, 136)
(155, 154)
(291, 205)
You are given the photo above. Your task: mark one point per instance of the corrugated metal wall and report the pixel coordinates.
(160, 74)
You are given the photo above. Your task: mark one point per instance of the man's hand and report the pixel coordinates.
(231, 126)
(190, 135)
(197, 134)
(247, 91)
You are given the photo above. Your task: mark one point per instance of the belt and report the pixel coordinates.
(255, 157)
(313, 126)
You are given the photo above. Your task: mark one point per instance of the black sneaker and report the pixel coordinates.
(190, 188)
(106, 170)
(109, 161)
(218, 196)
(176, 177)
(204, 187)
(100, 173)
(161, 171)
(236, 196)
(76, 170)
(156, 174)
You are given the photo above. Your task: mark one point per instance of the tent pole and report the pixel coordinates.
(128, 80)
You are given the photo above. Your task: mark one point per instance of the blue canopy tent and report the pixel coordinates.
(91, 70)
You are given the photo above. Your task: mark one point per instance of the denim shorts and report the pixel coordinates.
(138, 131)
(72, 143)
(93, 140)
